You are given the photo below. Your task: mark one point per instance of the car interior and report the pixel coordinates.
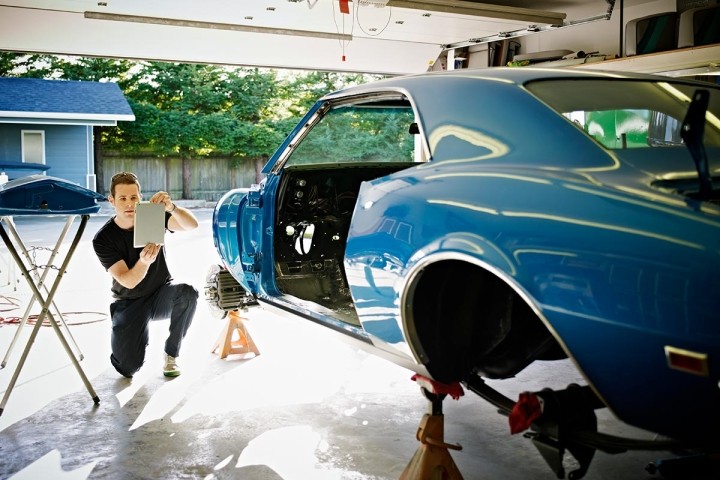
(319, 188)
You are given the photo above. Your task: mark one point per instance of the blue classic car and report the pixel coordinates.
(467, 223)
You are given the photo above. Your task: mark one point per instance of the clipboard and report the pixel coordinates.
(149, 224)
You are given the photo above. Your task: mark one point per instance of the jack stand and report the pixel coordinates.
(432, 461)
(225, 345)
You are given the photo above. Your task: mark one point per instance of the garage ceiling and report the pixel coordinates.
(400, 37)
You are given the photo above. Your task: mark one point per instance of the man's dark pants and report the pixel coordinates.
(130, 319)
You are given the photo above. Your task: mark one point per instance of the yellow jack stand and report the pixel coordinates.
(241, 344)
(432, 461)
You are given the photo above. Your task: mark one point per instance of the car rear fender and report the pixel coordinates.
(472, 249)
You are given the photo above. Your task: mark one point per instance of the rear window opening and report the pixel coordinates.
(622, 114)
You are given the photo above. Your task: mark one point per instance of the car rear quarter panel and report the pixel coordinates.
(615, 277)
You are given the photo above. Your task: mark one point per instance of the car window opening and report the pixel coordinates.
(627, 114)
(318, 191)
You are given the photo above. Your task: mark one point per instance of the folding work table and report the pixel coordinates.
(43, 195)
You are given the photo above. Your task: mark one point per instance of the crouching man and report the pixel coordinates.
(141, 283)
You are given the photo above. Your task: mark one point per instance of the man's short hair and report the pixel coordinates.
(123, 178)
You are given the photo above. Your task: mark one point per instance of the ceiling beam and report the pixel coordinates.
(174, 22)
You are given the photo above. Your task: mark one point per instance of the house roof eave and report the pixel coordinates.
(50, 117)
(46, 121)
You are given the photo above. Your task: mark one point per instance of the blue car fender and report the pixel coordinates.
(234, 239)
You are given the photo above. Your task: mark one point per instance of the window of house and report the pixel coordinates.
(33, 146)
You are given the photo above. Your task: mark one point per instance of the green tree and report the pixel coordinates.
(194, 110)
(14, 64)
(191, 110)
(303, 89)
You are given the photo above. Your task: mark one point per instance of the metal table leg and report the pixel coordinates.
(45, 303)
(40, 283)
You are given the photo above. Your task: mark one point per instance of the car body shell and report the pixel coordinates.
(620, 272)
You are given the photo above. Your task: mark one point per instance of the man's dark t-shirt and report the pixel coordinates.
(112, 244)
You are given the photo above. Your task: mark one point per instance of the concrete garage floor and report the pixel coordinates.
(308, 407)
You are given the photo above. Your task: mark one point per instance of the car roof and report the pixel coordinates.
(493, 108)
(510, 75)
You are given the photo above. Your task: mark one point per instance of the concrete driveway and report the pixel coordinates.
(308, 407)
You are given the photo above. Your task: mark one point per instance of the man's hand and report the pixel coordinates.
(163, 197)
(130, 277)
(181, 219)
(149, 253)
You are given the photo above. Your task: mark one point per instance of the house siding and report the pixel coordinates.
(66, 150)
(10, 149)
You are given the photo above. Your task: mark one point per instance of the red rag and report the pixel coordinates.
(454, 389)
(527, 409)
(344, 7)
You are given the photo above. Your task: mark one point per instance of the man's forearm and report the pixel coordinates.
(184, 218)
(132, 277)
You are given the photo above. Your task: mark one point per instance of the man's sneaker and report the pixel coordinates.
(170, 369)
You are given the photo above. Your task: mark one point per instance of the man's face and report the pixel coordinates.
(125, 198)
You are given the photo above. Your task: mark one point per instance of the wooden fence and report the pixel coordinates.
(210, 178)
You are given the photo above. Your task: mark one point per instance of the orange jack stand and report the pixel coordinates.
(234, 337)
(432, 459)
